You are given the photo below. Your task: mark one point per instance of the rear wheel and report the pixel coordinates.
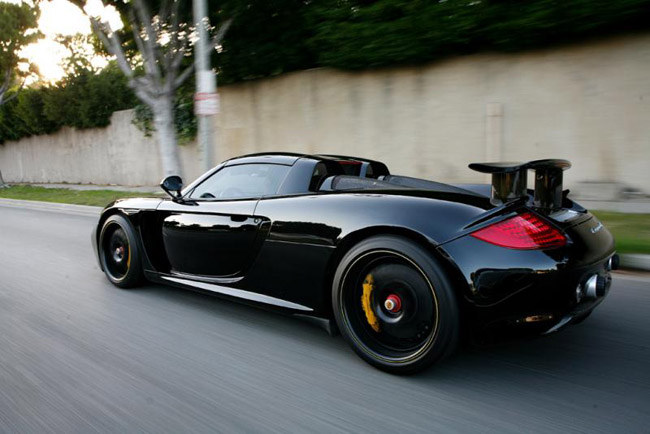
(394, 305)
(119, 252)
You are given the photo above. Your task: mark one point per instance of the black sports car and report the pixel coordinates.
(403, 267)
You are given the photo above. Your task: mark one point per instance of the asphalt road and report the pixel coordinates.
(78, 355)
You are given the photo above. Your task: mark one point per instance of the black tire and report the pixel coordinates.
(119, 252)
(422, 331)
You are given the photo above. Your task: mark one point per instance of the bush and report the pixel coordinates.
(29, 114)
(353, 34)
(85, 100)
(88, 100)
(184, 119)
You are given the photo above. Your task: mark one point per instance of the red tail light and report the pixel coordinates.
(524, 232)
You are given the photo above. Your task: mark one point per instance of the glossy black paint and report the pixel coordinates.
(281, 251)
(210, 238)
(172, 185)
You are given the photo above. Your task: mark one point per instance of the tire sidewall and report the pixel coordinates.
(133, 275)
(445, 335)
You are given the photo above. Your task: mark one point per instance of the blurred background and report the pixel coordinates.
(103, 92)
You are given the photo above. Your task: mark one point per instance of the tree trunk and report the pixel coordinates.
(163, 119)
(2, 182)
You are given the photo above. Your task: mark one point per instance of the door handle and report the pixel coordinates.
(238, 218)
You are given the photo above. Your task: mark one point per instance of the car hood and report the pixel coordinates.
(140, 203)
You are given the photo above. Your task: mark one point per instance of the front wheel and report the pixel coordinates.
(394, 305)
(118, 252)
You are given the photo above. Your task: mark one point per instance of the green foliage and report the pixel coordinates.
(81, 51)
(17, 29)
(30, 116)
(631, 231)
(184, 119)
(267, 38)
(85, 100)
(270, 37)
(354, 34)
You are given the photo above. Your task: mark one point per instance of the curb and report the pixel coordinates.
(85, 210)
(635, 262)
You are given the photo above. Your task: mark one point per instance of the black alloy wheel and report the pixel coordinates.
(394, 305)
(119, 254)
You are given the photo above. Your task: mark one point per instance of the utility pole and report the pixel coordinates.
(206, 100)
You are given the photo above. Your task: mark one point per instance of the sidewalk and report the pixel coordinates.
(86, 210)
(637, 206)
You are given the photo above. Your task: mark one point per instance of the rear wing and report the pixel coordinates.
(509, 181)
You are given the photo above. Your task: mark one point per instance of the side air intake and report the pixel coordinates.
(509, 181)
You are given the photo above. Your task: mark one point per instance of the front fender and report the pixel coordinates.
(129, 207)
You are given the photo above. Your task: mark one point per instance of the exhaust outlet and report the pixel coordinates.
(613, 263)
(595, 287)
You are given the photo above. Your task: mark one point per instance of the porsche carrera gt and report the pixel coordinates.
(404, 267)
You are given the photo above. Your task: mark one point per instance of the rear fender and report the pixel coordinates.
(453, 272)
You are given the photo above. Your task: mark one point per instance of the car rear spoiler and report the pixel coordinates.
(509, 181)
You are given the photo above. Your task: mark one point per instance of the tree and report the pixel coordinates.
(81, 52)
(18, 24)
(153, 50)
(269, 37)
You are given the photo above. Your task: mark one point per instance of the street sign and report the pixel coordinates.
(206, 103)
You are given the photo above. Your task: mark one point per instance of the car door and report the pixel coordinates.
(214, 232)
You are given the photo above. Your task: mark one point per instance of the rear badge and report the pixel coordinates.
(596, 228)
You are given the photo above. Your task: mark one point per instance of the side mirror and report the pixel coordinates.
(172, 185)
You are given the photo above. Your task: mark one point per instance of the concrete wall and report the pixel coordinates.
(589, 103)
(118, 154)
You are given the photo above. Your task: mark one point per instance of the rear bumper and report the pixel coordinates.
(523, 293)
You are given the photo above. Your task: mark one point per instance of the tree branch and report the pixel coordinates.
(13, 95)
(113, 45)
(144, 90)
(142, 86)
(149, 64)
(152, 36)
(163, 12)
(183, 76)
(173, 50)
(216, 40)
(5, 83)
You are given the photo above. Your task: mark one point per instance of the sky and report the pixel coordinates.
(59, 17)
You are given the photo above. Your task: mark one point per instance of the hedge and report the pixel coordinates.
(86, 100)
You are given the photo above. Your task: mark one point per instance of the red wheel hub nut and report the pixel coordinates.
(393, 303)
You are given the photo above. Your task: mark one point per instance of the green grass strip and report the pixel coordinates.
(631, 231)
(64, 195)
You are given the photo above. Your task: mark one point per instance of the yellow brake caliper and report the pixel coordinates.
(128, 258)
(368, 286)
